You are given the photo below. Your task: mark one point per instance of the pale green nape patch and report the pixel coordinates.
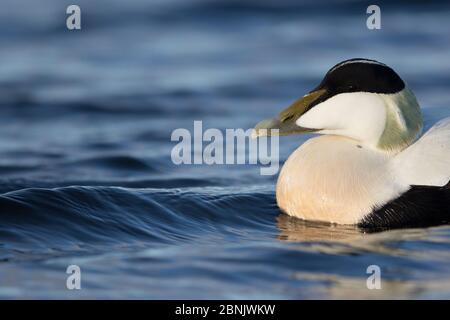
(403, 121)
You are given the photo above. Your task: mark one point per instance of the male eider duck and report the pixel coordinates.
(368, 166)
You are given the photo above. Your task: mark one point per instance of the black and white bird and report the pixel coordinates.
(370, 165)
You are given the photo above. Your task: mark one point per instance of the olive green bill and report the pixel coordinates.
(284, 123)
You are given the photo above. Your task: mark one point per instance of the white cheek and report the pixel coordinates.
(359, 115)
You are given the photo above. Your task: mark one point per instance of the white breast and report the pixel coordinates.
(333, 179)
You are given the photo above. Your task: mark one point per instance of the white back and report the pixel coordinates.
(427, 161)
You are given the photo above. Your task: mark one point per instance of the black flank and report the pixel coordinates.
(420, 206)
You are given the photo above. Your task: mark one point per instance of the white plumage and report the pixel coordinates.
(427, 161)
(370, 154)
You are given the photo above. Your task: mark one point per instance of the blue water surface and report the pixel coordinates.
(86, 176)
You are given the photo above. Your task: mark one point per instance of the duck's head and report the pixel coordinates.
(361, 99)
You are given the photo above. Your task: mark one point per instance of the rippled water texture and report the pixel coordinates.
(85, 170)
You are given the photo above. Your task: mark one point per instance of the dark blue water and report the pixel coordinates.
(85, 171)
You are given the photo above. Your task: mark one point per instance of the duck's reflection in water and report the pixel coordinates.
(294, 229)
(347, 238)
(340, 255)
